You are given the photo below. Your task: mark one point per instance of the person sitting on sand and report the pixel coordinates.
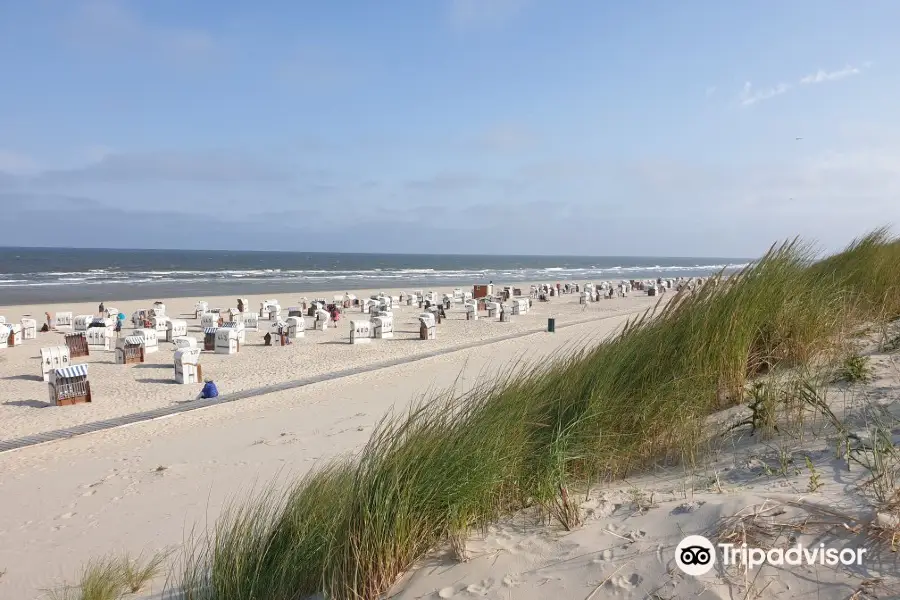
(209, 390)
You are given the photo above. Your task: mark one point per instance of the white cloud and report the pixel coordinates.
(822, 76)
(749, 96)
(728, 209)
(478, 13)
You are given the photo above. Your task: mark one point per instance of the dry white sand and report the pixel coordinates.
(119, 389)
(67, 501)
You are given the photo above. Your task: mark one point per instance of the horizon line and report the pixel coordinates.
(2, 248)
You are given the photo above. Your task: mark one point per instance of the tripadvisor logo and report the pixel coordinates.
(695, 555)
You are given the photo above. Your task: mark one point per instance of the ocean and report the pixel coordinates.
(36, 275)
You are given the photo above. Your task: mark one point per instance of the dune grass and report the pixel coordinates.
(539, 436)
(112, 578)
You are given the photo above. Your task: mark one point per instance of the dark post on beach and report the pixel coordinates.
(551, 325)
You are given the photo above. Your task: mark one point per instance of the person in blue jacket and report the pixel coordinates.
(209, 390)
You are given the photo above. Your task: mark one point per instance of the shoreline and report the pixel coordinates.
(11, 297)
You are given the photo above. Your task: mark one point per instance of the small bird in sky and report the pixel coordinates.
(797, 139)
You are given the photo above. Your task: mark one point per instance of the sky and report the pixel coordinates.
(578, 127)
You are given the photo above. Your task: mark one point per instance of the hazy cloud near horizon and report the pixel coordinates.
(498, 126)
(641, 208)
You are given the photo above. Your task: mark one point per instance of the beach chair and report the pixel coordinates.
(129, 350)
(69, 385)
(77, 344)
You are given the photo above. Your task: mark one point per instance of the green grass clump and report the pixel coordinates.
(538, 437)
(856, 369)
(111, 578)
(101, 579)
(137, 572)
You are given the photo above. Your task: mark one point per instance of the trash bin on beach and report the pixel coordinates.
(551, 325)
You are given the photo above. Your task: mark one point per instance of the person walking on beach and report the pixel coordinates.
(102, 309)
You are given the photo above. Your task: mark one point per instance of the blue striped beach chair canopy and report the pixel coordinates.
(72, 371)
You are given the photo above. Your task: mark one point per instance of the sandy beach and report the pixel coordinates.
(141, 488)
(152, 486)
(121, 390)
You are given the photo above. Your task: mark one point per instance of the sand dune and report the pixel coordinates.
(768, 492)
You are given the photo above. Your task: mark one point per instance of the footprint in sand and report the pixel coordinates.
(631, 535)
(504, 541)
(511, 581)
(503, 535)
(476, 590)
(599, 508)
(687, 507)
(605, 556)
(628, 582)
(88, 493)
(67, 515)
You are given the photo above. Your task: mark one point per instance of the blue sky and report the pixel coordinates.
(448, 126)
